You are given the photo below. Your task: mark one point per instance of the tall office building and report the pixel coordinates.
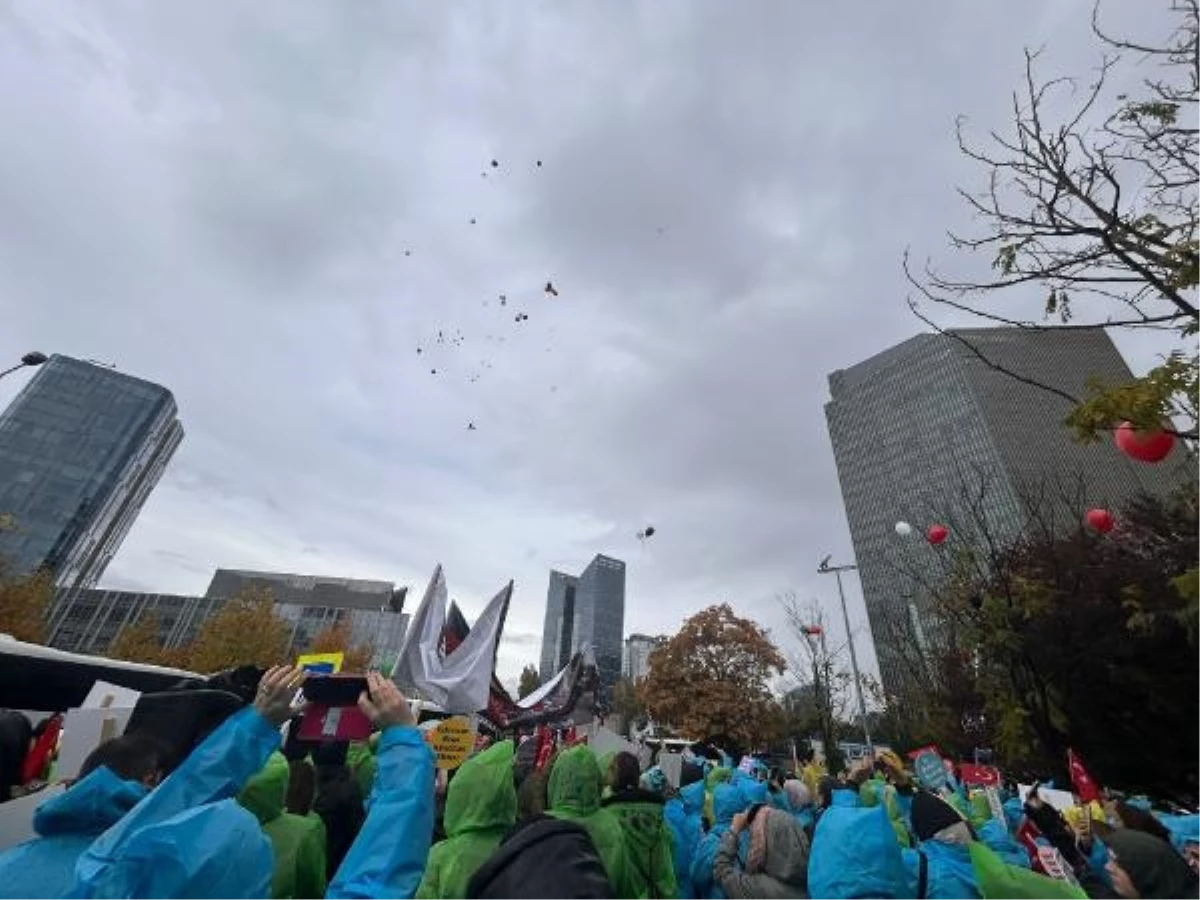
(589, 609)
(81, 447)
(88, 621)
(557, 644)
(928, 432)
(638, 648)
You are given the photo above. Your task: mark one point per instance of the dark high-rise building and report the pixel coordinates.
(88, 621)
(589, 609)
(81, 447)
(928, 432)
(560, 620)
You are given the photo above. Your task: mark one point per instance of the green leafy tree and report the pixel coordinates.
(1087, 641)
(529, 682)
(1091, 198)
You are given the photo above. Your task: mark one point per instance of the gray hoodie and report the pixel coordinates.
(785, 864)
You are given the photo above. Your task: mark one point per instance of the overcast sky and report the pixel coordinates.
(268, 207)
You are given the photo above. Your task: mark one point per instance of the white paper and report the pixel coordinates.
(672, 766)
(82, 733)
(1060, 800)
(16, 816)
(104, 693)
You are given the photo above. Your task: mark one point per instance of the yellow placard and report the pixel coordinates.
(452, 740)
(324, 663)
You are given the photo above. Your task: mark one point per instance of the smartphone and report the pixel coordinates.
(334, 690)
(333, 713)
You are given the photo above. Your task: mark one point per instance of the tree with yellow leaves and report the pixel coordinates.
(246, 631)
(338, 638)
(24, 604)
(138, 641)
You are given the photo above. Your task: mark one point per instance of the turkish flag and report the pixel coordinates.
(1085, 786)
(987, 776)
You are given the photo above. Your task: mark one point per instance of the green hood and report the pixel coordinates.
(641, 816)
(265, 793)
(649, 854)
(575, 783)
(482, 794)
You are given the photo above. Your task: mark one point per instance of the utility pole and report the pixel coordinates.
(825, 568)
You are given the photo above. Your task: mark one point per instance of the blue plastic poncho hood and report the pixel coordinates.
(728, 801)
(93, 804)
(855, 854)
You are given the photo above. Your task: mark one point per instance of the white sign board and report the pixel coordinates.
(83, 731)
(672, 766)
(16, 816)
(105, 694)
(1060, 800)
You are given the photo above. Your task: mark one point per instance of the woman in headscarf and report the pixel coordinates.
(1141, 865)
(777, 862)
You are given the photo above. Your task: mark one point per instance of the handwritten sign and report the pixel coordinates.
(452, 740)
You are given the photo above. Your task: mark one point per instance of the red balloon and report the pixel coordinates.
(1144, 446)
(1101, 520)
(937, 534)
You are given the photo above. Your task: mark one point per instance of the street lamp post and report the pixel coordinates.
(32, 358)
(825, 568)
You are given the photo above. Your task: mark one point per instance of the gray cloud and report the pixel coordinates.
(266, 207)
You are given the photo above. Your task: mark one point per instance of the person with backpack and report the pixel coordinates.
(649, 852)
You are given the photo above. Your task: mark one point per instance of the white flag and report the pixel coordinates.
(425, 630)
(459, 681)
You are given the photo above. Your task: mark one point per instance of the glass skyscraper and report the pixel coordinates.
(81, 447)
(589, 609)
(927, 432)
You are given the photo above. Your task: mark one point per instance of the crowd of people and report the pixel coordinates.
(244, 815)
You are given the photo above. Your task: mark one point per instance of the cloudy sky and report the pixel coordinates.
(268, 207)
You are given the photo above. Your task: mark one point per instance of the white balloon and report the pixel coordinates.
(903, 529)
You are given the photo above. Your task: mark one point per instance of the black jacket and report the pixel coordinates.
(544, 857)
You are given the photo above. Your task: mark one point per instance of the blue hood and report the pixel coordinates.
(1184, 829)
(692, 796)
(754, 791)
(728, 801)
(855, 854)
(93, 804)
(844, 797)
(1014, 812)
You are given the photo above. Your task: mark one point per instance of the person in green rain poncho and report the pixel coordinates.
(298, 841)
(573, 795)
(481, 806)
(637, 804)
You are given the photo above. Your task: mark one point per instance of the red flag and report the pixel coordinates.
(545, 739)
(1028, 834)
(987, 776)
(1085, 786)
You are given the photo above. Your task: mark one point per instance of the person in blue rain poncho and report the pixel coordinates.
(113, 780)
(728, 801)
(190, 838)
(684, 817)
(855, 854)
(942, 852)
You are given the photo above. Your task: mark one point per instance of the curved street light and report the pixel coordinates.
(31, 359)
